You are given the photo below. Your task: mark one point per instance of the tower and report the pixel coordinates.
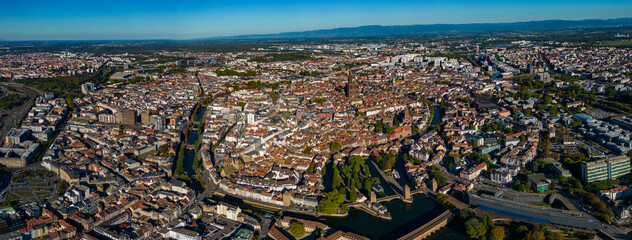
(407, 195)
(373, 198)
(407, 117)
(352, 87)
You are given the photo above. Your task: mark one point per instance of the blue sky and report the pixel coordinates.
(183, 19)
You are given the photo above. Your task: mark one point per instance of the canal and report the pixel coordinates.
(438, 115)
(200, 114)
(387, 188)
(189, 156)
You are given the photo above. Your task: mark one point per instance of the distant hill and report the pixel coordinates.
(412, 30)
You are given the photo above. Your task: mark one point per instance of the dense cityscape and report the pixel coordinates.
(512, 135)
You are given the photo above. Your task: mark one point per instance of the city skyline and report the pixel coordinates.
(73, 20)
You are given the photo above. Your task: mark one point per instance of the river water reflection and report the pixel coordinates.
(406, 217)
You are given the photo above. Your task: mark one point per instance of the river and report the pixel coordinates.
(406, 217)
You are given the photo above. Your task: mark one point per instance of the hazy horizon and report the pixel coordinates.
(160, 19)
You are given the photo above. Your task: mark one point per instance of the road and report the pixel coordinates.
(613, 232)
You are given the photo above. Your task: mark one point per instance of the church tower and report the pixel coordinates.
(352, 87)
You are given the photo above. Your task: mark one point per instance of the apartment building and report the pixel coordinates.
(611, 168)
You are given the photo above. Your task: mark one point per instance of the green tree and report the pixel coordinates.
(475, 229)
(553, 109)
(576, 124)
(307, 150)
(601, 185)
(11, 100)
(396, 121)
(297, 229)
(353, 194)
(336, 180)
(330, 203)
(521, 187)
(70, 103)
(386, 161)
(62, 186)
(543, 228)
(437, 174)
(487, 220)
(196, 162)
(335, 146)
(368, 184)
(570, 184)
(179, 169)
(466, 214)
(319, 101)
(390, 130)
(378, 127)
(535, 235)
(522, 229)
(539, 165)
(547, 100)
(311, 167)
(527, 112)
(343, 191)
(415, 130)
(497, 233)
(163, 149)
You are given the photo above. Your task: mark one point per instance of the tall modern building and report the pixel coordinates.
(250, 118)
(611, 168)
(144, 118)
(126, 117)
(159, 123)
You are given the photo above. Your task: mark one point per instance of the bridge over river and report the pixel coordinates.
(429, 227)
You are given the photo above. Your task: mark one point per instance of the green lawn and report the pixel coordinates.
(11, 197)
(23, 191)
(42, 192)
(41, 186)
(42, 197)
(37, 183)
